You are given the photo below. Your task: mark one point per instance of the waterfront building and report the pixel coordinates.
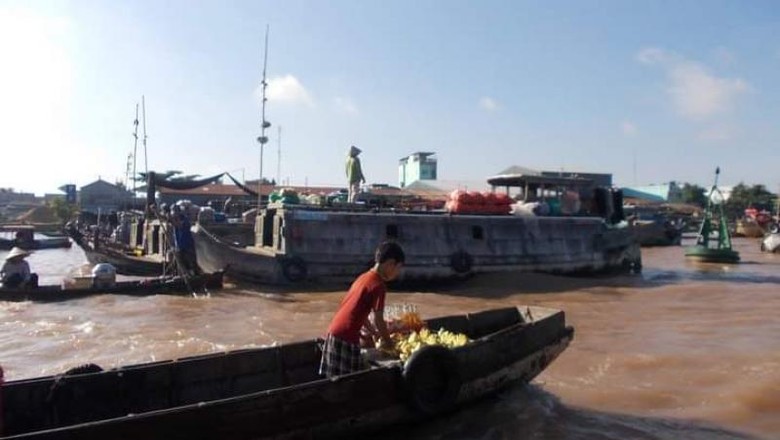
(669, 192)
(417, 166)
(104, 197)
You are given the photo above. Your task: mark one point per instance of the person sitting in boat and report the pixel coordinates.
(341, 351)
(184, 244)
(16, 271)
(354, 173)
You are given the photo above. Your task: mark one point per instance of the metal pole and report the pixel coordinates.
(143, 112)
(135, 145)
(262, 140)
(279, 157)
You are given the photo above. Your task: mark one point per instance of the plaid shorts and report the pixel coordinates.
(339, 357)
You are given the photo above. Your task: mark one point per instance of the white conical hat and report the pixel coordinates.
(16, 252)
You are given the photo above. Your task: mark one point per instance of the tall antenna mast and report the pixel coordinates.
(263, 139)
(143, 112)
(279, 157)
(135, 145)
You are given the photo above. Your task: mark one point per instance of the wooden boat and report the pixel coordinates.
(120, 256)
(275, 392)
(157, 286)
(23, 236)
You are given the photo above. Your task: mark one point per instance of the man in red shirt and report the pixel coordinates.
(341, 352)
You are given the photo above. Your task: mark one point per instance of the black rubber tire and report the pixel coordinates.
(432, 380)
(294, 269)
(84, 369)
(461, 262)
(774, 228)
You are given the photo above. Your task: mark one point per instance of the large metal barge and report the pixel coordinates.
(299, 243)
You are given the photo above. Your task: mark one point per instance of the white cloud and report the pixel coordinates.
(695, 92)
(628, 127)
(345, 105)
(287, 89)
(487, 103)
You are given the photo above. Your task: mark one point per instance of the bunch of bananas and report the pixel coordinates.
(405, 345)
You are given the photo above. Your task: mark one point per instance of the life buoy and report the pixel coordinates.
(294, 269)
(432, 380)
(461, 262)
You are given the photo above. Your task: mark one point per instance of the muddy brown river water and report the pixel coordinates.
(684, 351)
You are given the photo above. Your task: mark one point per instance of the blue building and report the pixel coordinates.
(417, 166)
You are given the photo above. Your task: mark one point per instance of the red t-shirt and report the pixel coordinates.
(367, 293)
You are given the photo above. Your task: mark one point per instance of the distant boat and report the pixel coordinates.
(713, 245)
(771, 242)
(166, 285)
(23, 236)
(652, 227)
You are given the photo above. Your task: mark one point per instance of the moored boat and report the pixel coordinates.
(23, 236)
(146, 287)
(294, 243)
(275, 392)
(121, 256)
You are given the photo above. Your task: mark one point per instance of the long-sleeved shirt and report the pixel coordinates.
(354, 171)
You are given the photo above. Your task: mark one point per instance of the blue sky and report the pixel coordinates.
(649, 91)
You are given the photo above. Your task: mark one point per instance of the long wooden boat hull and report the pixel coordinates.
(168, 285)
(38, 244)
(294, 245)
(124, 263)
(275, 392)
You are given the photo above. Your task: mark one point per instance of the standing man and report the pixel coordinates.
(354, 173)
(341, 352)
(184, 244)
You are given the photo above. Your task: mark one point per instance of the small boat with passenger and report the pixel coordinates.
(88, 286)
(276, 392)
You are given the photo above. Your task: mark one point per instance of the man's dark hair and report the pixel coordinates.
(389, 250)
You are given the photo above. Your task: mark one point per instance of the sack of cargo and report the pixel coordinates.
(503, 199)
(476, 198)
(490, 198)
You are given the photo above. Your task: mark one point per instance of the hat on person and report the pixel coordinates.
(354, 151)
(17, 252)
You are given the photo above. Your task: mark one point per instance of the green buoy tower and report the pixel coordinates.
(709, 247)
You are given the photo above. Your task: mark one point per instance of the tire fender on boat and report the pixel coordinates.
(84, 369)
(294, 269)
(432, 379)
(461, 262)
